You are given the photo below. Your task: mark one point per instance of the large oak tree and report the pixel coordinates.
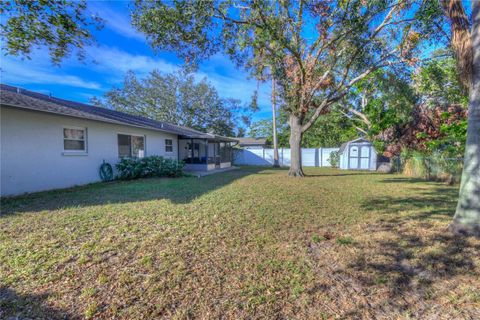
(317, 50)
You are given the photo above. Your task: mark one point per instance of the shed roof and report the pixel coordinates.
(358, 140)
(25, 99)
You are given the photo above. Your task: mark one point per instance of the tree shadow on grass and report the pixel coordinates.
(405, 180)
(338, 174)
(177, 190)
(410, 252)
(422, 204)
(406, 264)
(32, 306)
(415, 269)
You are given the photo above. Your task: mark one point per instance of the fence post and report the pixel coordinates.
(321, 157)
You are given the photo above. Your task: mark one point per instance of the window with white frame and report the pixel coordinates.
(168, 145)
(74, 139)
(131, 146)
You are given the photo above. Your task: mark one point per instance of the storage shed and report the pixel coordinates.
(358, 154)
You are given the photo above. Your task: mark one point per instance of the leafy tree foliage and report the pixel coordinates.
(439, 130)
(177, 98)
(261, 129)
(422, 111)
(241, 132)
(437, 82)
(380, 101)
(316, 50)
(61, 26)
(330, 130)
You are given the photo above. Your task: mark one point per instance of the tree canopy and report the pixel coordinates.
(61, 26)
(317, 51)
(177, 98)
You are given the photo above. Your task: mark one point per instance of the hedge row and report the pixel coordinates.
(153, 166)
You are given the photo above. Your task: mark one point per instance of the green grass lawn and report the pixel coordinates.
(250, 243)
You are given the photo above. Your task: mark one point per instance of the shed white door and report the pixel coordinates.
(353, 158)
(359, 157)
(365, 157)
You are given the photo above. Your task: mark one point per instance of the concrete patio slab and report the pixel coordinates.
(199, 174)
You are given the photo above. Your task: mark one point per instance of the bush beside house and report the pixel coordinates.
(153, 166)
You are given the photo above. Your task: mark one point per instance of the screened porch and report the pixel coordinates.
(205, 154)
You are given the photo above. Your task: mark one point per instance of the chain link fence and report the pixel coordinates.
(430, 168)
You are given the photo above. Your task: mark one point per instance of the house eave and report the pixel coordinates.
(85, 117)
(209, 137)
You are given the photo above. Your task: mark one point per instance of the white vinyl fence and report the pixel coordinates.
(318, 157)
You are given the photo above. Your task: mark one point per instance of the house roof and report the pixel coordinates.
(252, 141)
(25, 99)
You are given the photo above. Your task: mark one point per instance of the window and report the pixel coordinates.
(131, 146)
(74, 139)
(168, 145)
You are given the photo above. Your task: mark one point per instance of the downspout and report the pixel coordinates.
(178, 148)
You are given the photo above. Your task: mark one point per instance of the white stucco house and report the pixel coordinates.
(49, 143)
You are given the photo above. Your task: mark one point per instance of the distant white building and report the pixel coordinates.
(252, 143)
(358, 154)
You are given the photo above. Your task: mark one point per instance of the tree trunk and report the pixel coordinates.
(276, 163)
(461, 38)
(467, 215)
(295, 147)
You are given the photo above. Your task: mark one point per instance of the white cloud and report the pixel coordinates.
(116, 20)
(232, 83)
(25, 72)
(110, 65)
(117, 62)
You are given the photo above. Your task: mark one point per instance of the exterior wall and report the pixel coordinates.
(32, 156)
(373, 159)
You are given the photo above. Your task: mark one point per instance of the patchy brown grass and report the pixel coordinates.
(251, 243)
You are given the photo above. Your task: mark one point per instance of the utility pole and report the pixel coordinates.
(274, 123)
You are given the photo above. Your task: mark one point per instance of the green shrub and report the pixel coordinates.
(153, 166)
(435, 166)
(334, 159)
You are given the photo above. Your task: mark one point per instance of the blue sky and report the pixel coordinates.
(119, 48)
